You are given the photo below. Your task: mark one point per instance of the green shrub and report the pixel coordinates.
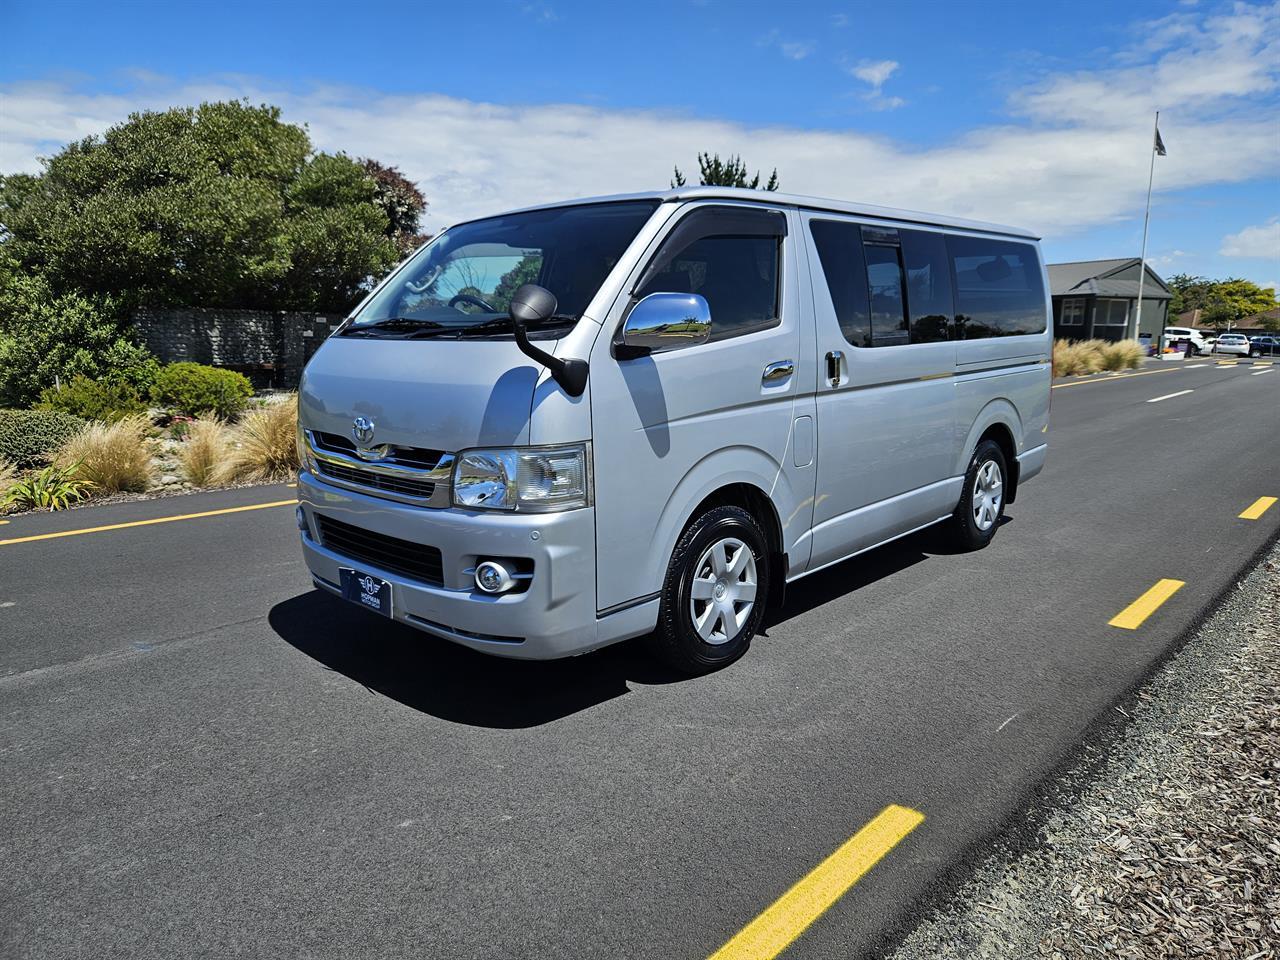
(108, 400)
(193, 389)
(53, 488)
(46, 337)
(29, 437)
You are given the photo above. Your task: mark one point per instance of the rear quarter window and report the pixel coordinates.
(999, 289)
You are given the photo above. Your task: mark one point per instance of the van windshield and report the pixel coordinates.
(460, 285)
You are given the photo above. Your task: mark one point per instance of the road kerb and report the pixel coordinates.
(1136, 613)
(791, 914)
(1256, 509)
(146, 523)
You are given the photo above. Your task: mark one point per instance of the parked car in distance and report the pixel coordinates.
(1264, 346)
(1234, 343)
(1210, 342)
(1196, 343)
(558, 428)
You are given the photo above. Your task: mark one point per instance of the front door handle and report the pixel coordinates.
(834, 359)
(778, 371)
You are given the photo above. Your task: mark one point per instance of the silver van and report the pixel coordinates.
(562, 427)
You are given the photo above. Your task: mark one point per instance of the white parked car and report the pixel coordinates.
(1196, 342)
(1236, 343)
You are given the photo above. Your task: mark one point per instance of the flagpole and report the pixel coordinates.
(1142, 263)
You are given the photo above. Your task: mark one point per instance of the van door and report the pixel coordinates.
(670, 428)
(885, 394)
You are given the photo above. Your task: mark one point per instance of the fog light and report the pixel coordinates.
(301, 516)
(493, 577)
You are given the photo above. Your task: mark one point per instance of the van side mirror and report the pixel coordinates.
(664, 321)
(530, 304)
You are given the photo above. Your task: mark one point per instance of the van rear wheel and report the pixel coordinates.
(982, 501)
(715, 592)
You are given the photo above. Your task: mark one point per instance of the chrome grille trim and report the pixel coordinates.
(386, 479)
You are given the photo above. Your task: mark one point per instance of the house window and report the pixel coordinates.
(1111, 313)
(1073, 313)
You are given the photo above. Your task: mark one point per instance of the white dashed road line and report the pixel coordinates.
(1169, 396)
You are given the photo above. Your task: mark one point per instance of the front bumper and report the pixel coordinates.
(554, 617)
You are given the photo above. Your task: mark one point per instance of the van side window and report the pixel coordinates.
(999, 288)
(729, 256)
(839, 246)
(924, 256)
(888, 303)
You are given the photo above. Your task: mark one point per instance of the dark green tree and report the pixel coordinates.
(714, 172)
(217, 205)
(402, 202)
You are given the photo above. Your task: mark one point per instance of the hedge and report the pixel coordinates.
(29, 437)
(194, 389)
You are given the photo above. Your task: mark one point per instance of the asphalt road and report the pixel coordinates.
(201, 756)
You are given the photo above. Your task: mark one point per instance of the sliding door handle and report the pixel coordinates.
(778, 371)
(834, 359)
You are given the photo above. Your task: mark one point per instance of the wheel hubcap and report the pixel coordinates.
(988, 493)
(724, 590)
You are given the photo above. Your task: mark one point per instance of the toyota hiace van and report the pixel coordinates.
(565, 426)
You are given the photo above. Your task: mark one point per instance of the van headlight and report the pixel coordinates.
(523, 478)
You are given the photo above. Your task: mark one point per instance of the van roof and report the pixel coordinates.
(794, 200)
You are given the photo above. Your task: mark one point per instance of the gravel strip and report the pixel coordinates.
(1169, 845)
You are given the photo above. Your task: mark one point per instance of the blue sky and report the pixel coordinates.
(1036, 114)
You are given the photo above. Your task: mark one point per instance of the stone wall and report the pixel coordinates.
(269, 347)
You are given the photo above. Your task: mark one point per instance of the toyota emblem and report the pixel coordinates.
(362, 430)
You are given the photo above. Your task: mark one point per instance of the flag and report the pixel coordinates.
(1159, 145)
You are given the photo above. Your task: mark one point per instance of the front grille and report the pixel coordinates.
(419, 458)
(404, 486)
(416, 561)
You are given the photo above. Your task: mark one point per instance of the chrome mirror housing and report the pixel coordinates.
(664, 321)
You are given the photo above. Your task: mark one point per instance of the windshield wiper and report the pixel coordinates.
(408, 324)
(499, 324)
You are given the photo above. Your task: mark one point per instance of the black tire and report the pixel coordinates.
(965, 532)
(676, 640)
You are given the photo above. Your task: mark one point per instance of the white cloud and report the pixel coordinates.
(1270, 285)
(1066, 162)
(839, 20)
(875, 72)
(791, 49)
(1261, 240)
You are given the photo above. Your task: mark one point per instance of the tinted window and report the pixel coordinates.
(924, 255)
(999, 290)
(737, 274)
(840, 250)
(884, 280)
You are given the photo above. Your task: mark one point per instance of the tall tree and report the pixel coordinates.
(218, 205)
(402, 202)
(714, 172)
(1221, 302)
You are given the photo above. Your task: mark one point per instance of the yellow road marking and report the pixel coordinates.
(147, 523)
(1120, 376)
(770, 933)
(1258, 508)
(1132, 616)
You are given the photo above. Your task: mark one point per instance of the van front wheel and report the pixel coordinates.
(982, 501)
(715, 592)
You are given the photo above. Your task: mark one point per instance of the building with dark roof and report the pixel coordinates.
(1098, 299)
